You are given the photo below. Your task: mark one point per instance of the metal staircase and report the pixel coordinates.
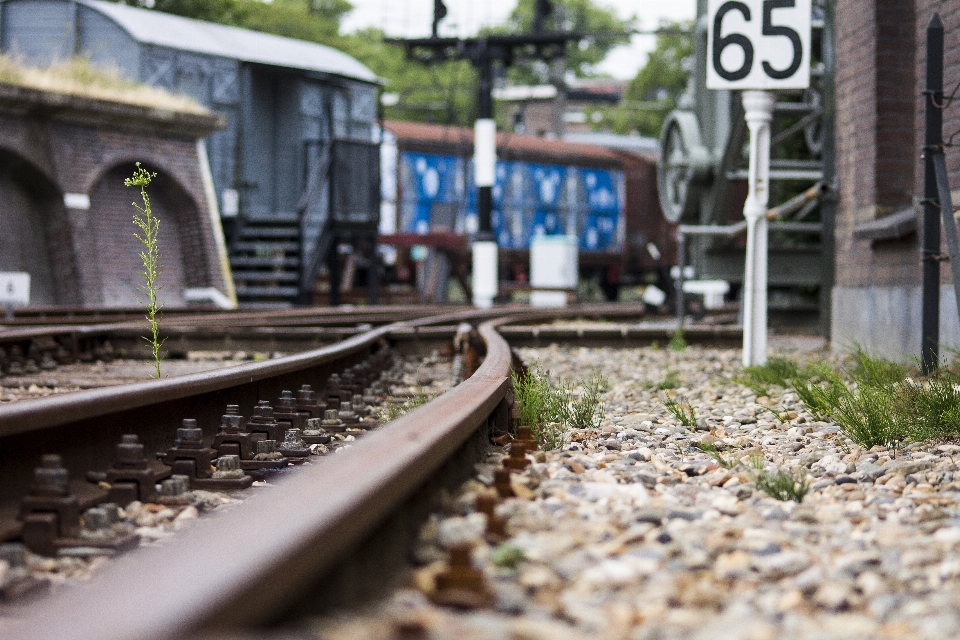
(276, 259)
(266, 259)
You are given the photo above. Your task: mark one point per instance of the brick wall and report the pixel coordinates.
(875, 136)
(90, 150)
(880, 72)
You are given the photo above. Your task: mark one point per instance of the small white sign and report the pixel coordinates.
(758, 44)
(14, 288)
(231, 203)
(76, 201)
(484, 152)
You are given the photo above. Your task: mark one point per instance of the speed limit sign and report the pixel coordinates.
(758, 44)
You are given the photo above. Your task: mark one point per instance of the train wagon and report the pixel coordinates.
(605, 198)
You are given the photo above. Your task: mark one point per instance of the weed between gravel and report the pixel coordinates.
(681, 411)
(549, 407)
(714, 452)
(678, 342)
(873, 401)
(507, 556)
(393, 411)
(783, 485)
(149, 226)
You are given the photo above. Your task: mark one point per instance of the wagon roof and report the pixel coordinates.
(531, 147)
(176, 32)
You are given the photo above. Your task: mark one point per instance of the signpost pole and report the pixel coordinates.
(484, 247)
(758, 108)
(758, 46)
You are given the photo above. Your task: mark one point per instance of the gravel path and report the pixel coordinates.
(631, 532)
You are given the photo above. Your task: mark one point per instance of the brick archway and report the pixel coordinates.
(34, 234)
(111, 223)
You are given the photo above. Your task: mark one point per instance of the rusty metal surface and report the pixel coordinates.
(314, 315)
(31, 415)
(241, 567)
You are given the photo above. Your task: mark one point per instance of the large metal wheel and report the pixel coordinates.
(684, 167)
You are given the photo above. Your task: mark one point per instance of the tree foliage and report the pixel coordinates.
(601, 28)
(443, 93)
(313, 20)
(657, 87)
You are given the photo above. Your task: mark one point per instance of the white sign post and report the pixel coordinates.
(485, 251)
(758, 46)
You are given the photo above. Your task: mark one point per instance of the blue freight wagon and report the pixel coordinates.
(543, 187)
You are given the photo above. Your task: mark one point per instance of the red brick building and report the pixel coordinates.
(880, 73)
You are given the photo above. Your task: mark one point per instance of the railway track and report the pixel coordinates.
(313, 532)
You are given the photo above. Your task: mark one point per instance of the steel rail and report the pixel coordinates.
(31, 415)
(84, 426)
(109, 316)
(244, 567)
(23, 331)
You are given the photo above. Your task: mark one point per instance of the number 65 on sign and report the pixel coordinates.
(758, 44)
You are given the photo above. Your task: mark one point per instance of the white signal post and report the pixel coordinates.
(758, 108)
(758, 46)
(484, 248)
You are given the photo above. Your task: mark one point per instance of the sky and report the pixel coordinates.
(412, 18)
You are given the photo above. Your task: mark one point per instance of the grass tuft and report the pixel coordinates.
(820, 390)
(508, 556)
(783, 485)
(671, 380)
(777, 372)
(714, 452)
(873, 371)
(550, 406)
(683, 412)
(587, 410)
(678, 342)
(542, 405)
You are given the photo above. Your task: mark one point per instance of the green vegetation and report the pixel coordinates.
(602, 28)
(776, 372)
(671, 380)
(587, 410)
(874, 401)
(820, 389)
(507, 556)
(681, 411)
(678, 342)
(392, 411)
(783, 485)
(548, 407)
(714, 452)
(657, 87)
(79, 77)
(149, 226)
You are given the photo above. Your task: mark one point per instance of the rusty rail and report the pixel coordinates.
(85, 426)
(244, 568)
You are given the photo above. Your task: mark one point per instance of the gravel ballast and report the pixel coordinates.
(630, 531)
